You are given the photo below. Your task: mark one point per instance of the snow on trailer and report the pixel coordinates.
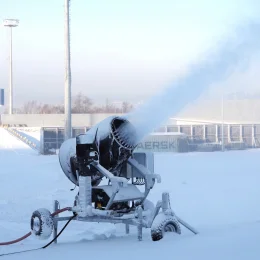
(107, 151)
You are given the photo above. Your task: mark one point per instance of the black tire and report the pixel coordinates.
(164, 223)
(42, 224)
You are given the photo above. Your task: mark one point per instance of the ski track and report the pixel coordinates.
(217, 193)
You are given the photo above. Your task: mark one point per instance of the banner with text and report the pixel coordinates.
(2, 97)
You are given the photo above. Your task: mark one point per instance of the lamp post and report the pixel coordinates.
(222, 115)
(11, 23)
(67, 101)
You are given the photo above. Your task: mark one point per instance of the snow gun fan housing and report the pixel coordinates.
(110, 143)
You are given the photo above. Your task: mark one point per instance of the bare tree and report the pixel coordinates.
(76, 103)
(126, 107)
(86, 104)
(81, 104)
(31, 107)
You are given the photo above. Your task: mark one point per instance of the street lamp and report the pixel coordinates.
(11, 23)
(67, 101)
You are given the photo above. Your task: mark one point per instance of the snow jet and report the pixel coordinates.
(232, 53)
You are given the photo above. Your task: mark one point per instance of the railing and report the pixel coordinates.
(22, 138)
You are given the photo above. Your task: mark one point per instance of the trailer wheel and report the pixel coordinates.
(42, 224)
(164, 223)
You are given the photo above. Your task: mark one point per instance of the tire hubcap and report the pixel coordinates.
(169, 228)
(36, 224)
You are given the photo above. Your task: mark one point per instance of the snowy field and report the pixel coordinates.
(217, 193)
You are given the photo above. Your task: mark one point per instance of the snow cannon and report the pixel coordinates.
(107, 152)
(111, 143)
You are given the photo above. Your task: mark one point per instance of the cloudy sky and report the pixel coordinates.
(121, 49)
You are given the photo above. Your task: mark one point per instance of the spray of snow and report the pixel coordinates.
(234, 52)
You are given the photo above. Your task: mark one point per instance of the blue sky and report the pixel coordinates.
(121, 49)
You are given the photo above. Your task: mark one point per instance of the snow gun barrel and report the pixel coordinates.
(111, 143)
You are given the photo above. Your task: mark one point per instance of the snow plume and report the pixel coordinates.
(235, 51)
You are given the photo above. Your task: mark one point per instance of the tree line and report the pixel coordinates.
(81, 104)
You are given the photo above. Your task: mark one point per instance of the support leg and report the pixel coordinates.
(55, 229)
(189, 227)
(127, 229)
(155, 212)
(166, 206)
(85, 195)
(140, 224)
(165, 201)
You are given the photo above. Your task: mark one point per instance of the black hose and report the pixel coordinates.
(59, 232)
(24, 251)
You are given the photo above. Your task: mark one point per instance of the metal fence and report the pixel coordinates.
(235, 136)
(53, 137)
(249, 135)
(208, 137)
(205, 137)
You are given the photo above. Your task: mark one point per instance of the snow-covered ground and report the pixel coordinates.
(217, 193)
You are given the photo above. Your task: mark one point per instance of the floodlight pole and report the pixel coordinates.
(11, 73)
(11, 23)
(222, 112)
(67, 101)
